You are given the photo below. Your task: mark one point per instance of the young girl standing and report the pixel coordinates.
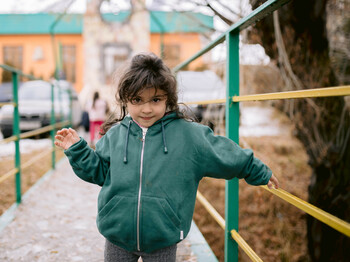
(149, 163)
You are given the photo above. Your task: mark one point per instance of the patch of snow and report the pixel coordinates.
(259, 121)
(26, 146)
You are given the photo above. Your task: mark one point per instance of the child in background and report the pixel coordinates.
(97, 109)
(149, 162)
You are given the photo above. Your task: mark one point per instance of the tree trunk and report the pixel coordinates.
(322, 124)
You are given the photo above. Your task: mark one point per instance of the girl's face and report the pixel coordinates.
(148, 106)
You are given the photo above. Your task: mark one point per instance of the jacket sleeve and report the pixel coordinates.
(91, 166)
(223, 158)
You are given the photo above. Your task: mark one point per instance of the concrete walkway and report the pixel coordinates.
(56, 222)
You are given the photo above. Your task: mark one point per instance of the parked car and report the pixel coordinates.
(6, 92)
(34, 100)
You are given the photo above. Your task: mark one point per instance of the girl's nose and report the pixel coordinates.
(146, 108)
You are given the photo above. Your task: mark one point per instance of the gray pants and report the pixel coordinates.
(114, 253)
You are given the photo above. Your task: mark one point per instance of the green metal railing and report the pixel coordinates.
(17, 135)
(230, 223)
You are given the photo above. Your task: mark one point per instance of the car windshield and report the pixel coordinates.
(39, 91)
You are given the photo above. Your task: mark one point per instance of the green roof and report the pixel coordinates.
(171, 22)
(120, 17)
(167, 22)
(40, 23)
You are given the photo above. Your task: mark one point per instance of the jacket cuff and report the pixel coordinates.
(75, 147)
(262, 179)
(267, 177)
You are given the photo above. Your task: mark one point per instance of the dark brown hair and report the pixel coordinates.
(145, 70)
(96, 96)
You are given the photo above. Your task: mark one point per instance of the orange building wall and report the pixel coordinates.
(44, 68)
(189, 42)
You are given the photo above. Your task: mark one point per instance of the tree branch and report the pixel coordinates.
(221, 16)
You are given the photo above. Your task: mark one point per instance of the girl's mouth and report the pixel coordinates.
(147, 118)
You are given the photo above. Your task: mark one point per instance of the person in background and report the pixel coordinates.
(97, 109)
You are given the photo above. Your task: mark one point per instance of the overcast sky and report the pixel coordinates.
(33, 6)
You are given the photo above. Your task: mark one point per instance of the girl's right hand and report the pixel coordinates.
(66, 138)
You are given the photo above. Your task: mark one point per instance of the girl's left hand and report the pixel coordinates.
(273, 181)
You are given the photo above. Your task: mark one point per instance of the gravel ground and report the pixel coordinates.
(56, 222)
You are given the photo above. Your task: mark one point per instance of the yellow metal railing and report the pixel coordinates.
(8, 174)
(246, 248)
(327, 218)
(35, 132)
(308, 93)
(334, 222)
(211, 210)
(221, 221)
(12, 172)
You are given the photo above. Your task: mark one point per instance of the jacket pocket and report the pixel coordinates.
(160, 224)
(116, 221)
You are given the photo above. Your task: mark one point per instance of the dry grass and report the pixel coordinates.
(29, 176)
(274, 229)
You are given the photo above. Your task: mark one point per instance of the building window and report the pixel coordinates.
(171, 55)
(13, 56)
(114, 55)
(38, 54)
(69, 62)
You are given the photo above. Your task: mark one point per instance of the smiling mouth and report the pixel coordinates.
(147, 118)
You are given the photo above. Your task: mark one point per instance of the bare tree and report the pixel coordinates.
(299, 42)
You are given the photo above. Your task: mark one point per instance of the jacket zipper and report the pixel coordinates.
(140, 190)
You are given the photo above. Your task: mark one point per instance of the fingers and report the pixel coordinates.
(65, 132)
(73, 132)
(273, 182)
(66, 137)
(60, 144)
(62, 132)
(59, 137)
(270, 185)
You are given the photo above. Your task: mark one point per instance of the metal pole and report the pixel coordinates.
(162, 30)
(62, 116)
(70, 108)
(232, 129)
(53, 122)
(16, 132)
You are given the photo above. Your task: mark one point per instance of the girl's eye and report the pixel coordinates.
(155, 100)
(135, 100)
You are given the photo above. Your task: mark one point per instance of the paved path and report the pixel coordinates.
(56, 222)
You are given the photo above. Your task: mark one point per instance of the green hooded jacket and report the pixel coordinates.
(149, 185)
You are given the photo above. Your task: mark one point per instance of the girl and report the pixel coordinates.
(149, 163)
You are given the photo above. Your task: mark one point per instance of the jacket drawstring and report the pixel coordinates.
(126, 143)
(164, 141)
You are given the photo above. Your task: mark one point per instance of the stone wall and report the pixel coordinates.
(105, 42)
